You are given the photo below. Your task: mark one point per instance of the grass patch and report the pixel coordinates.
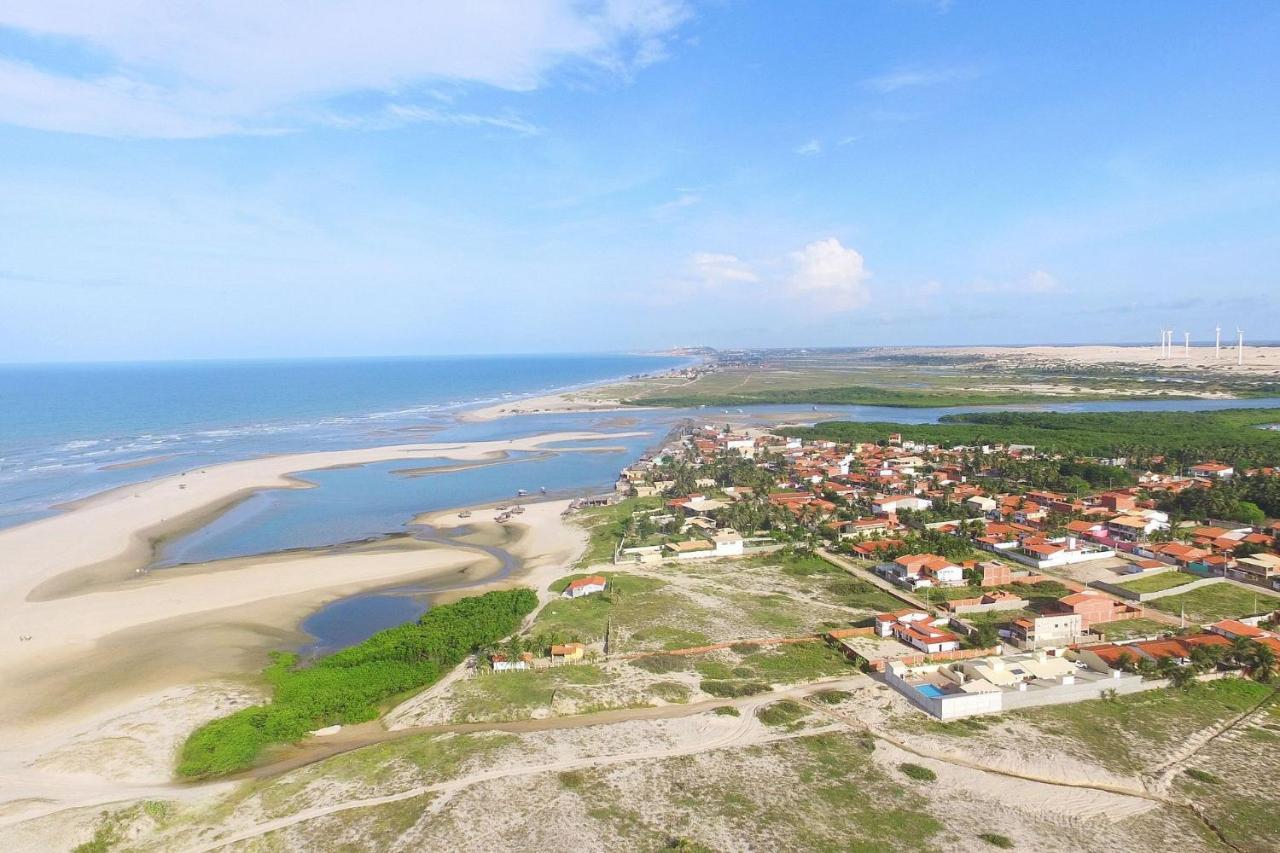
(1124, 733)
(1217, 601)
(995, 839)
(727, 711)
(1158, 582)
(1203, 776)
(662, 663)
(733, 689)
(832, 697)
(790, 663)
(1127, 629)
(670, 691)
(917, 772)
(784, 713)
(349, 687)
(515, 695)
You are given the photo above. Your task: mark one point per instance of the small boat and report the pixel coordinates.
(466, 513)
(504, 518)
(543, 490)
(521, 492)
(500, 507)
(516, 510)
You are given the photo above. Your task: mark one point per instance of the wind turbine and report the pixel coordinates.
(1186, 345)
(1239, 347)
(1217, 342)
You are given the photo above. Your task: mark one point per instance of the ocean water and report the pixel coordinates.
(67, 431)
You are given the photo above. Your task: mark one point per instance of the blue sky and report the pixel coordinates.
(182, 179)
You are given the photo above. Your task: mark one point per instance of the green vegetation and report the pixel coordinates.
(1127, 629)
(1159, 582)
(862, 395)
(670, 691)
(607, 525)
(733, 689)
(349, 686)
(663, 663)
(728, 711)
(1203, 776)
(832, 697)
(629, 600)
(1217, 601)
(785, 713)
(1187, 437)
(917, 772)
(1124, 733)
(1004, 842)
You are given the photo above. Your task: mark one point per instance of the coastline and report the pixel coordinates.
(112, 647)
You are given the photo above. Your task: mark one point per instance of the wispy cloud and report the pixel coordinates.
(810, 148)
(185, 69)
(715, 269)
(917, 76)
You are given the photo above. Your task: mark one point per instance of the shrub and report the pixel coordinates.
(920, 774)
(347, 687)
(670, 691)
(997, 840)
(662, 663)
(732, 689)
(728, 711)
(744, 648)
(1203, 776)
(782, 713)
(832, 697)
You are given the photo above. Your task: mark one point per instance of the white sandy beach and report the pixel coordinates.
(120, 665)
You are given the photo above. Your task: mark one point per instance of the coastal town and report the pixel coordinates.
(1011, 595)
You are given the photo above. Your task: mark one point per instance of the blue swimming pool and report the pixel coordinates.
(929, 690)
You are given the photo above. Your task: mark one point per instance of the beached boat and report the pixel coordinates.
(466, 513)
(516, 510)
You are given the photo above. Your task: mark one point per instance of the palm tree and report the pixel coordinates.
(1262, 661)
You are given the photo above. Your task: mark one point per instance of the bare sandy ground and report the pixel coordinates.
(569, 401)
(121, 665)
(1258, 360)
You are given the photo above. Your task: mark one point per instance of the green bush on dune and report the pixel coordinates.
(349, 686)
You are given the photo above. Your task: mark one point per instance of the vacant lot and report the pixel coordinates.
(1128, 629)
(1158, 582)
(1218, 601)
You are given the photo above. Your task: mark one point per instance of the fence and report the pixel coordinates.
(1130, 595)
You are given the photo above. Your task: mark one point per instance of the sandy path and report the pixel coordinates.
(721, 732)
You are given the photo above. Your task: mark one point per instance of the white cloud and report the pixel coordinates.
(906, 78)
(714, 270)
(182, 68)
(813, 146)
(833, 275)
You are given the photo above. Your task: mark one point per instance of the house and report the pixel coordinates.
(897, 503)
(982, 504)
(995, 573)
(1057, 629)
(568, 651)
(918, 630)
(1041, 552)
(584, 586)
(919, 570)
(1094, 608)
(1111, 657)
(1256, 568)
(1212, 470)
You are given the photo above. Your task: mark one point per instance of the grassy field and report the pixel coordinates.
(1127, 629)
(637, 607)
(1158, 582)
(1218, 601)
(1132, 732)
